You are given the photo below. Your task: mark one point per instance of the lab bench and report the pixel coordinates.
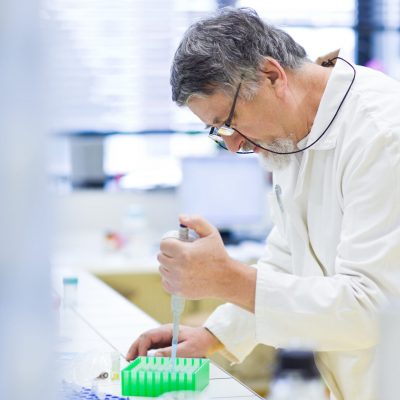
(136, 277)
(104, 322)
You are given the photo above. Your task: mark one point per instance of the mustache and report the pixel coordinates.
(280, 145)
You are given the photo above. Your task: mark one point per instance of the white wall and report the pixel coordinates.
(96, 210)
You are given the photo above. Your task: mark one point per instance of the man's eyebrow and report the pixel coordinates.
(217, 120)
(214, 123)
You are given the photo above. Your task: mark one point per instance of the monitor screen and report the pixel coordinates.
(228, 190)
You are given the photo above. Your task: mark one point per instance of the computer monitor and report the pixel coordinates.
(227, 190)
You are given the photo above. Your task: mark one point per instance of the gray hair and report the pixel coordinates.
(229, 47)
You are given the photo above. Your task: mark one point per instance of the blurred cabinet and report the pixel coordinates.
(146, 291)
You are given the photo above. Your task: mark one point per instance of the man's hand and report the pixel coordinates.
(193, 342)
(192, 270)
(203, 268)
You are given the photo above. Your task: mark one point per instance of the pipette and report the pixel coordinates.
(177, 304)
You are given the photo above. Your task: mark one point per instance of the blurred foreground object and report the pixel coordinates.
(389, 351)
(25, 298)
(297, 377)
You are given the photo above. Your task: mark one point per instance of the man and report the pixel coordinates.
(333, 257)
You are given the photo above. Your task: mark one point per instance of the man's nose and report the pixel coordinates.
(234, 142)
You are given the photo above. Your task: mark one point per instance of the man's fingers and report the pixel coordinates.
(132, 352)
(170, 247)
(184, 349)
(144, 345)
(163, 270)
(167, 286)
(165, 260)
(165, 352)
(192, 342)
(155, 338)
(200, 225)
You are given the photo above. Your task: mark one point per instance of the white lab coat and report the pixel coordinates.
(333, 256)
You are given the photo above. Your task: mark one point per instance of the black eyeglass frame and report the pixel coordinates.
(212, 135)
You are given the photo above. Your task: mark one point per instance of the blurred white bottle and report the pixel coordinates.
(67, 321)
(296, 377)
(70, 291)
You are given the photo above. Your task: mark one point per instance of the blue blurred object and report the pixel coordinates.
(70, 391)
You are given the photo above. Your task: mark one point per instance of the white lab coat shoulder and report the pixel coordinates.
(333, 257)
(337, 218)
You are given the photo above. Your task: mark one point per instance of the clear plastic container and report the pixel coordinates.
(70, 298)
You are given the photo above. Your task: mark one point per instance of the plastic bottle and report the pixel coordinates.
(70, 298)
(67, 317)
(297, 377)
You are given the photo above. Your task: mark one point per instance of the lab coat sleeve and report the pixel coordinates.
(338, 313)
(236, 327)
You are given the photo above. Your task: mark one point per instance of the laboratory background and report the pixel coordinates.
(97, 163)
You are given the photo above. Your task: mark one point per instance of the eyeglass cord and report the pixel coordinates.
(326, 63)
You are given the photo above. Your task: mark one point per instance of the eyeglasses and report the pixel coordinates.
(217, 134)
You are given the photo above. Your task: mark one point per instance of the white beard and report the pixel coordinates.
(271, 161)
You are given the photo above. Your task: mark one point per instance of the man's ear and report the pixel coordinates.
(272, 76)
(275, 73)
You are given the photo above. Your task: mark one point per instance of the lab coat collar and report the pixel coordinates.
(338, 83)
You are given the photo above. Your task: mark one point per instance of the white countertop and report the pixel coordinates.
(103, 322)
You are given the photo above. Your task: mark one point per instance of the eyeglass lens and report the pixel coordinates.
(213, 135)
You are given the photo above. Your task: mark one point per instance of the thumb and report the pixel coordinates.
(200, 225)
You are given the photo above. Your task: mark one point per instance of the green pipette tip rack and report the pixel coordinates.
(153, 376)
